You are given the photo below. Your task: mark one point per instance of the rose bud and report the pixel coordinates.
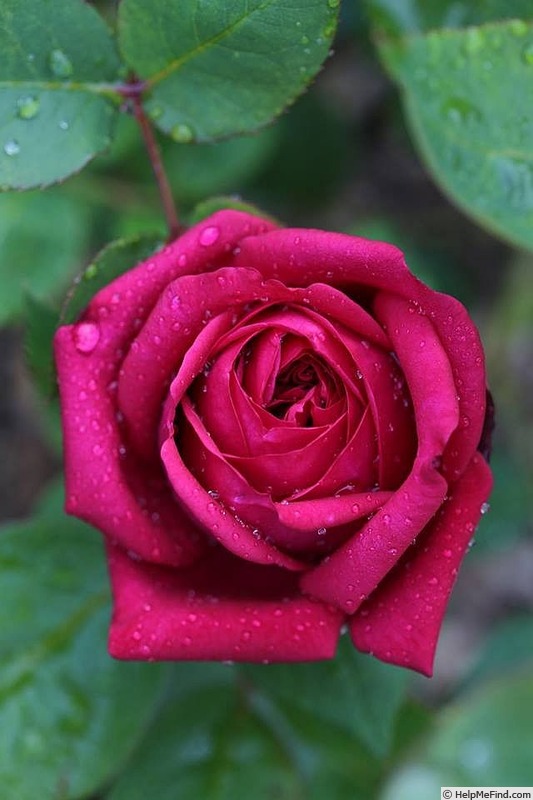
(278, 433)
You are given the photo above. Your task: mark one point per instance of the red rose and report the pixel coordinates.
(277, 432)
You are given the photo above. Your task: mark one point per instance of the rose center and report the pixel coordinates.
(301, 388)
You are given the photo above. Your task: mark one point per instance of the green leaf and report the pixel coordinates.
(353, 691)
(57, 59)
(484, 740)
(464, 98)
(219, 69)
(42, 240)
(41, 324)
(509, 647)
(69, 714)
(220, 737)
(197, 171)
(115, 259)
(207, 745)
(396, 17)
(213, 204)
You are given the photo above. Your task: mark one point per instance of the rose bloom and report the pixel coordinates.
(278, 433)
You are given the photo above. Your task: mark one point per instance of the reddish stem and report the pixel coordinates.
(174, 226)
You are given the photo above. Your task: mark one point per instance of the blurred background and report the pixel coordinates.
(341, 158)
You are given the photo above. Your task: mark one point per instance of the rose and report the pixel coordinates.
(278, 433)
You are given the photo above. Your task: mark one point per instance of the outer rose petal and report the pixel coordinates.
(401, 620)
(103, 487)
(97, 478)
(220, 609)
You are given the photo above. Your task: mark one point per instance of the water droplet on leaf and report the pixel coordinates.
(60, 64)
(28, 107)
(11, 148)
(527, 53)
(182, 133)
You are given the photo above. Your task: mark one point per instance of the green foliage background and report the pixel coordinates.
(415, 96)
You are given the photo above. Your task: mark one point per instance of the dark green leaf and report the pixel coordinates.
(510, 647)
(112, 261)
(43, 239)
(464, 98)
(352, 691)
(57, 59)
(485, 740)
(69, 714)
(197, 171)
(207, 745)
(511, 504)
(41, 324)
(222, 738)
(398, 17)
(217, 69)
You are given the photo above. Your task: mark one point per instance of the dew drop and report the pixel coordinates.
(86, 336)
(527, 54)
(28, 107)
(209, 236)
(12, 148)
(182, 133)
(518, 27)
(321, 531)
(60, 64)
(63, 125)
(447, 553)
(484, 508)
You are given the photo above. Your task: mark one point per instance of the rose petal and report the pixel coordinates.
(105, 484)
(401, 620)
(355, 464)
(171, 329)
(235, 536)
(300, 257)
(465, 353)
(355, 570)
(221, 609)
(426, 367)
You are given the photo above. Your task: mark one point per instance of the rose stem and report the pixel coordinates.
(154, 154)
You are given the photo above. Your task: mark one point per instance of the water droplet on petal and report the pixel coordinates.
(485, 507)
(28, 107)
(209, 236)
(86, 336)
(60, 64)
